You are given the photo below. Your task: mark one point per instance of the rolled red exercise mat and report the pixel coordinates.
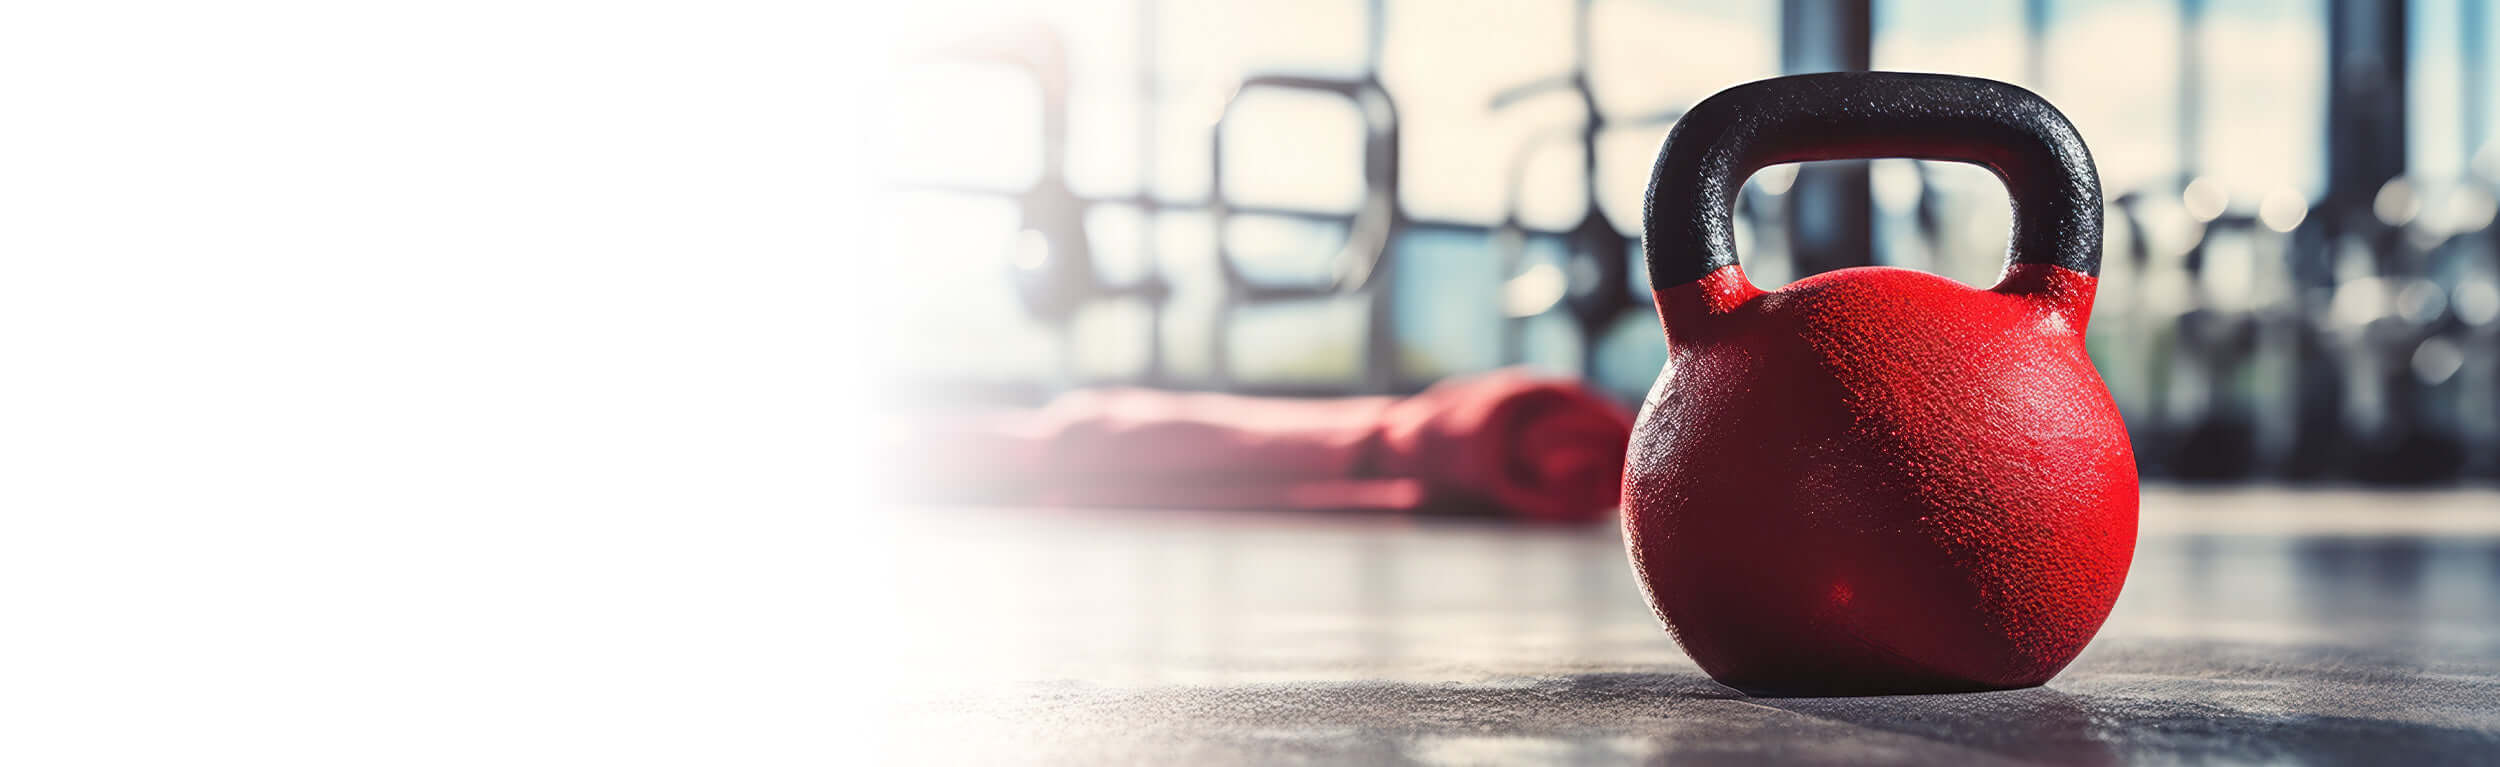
(1507, 443)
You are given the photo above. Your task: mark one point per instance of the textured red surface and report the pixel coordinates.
(1880, 481)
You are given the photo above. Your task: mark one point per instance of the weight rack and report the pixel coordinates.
(2345, 405)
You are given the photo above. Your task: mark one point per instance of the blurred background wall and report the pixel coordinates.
(1315, 197)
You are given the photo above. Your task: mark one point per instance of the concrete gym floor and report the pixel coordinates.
(2258, 626)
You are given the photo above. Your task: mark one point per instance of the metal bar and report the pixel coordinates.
(1832, 215)
(1148, 53)
(2191, 88)
(2035, 42)
(2474, 59)
(2365, 107)
(1238, 209)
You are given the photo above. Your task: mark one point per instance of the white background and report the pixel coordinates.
(433, 382)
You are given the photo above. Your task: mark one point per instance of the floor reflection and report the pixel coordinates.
(1683, 717)
(1200, 638)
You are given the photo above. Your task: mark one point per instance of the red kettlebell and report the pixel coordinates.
(1876, 480)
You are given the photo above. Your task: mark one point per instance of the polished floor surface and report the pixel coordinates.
(2313, 627)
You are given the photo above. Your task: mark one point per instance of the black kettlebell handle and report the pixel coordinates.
(1686, 219)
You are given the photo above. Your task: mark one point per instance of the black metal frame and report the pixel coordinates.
(1828, 221)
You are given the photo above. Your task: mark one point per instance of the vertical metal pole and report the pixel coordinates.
(1381, 368)
(2365, 136)
(1596, 238)
(1831, 222)
(2365, 103)
(2191, 89)
(2035, 43)
(1149, 212)
(1593, 124)
(2474, 59)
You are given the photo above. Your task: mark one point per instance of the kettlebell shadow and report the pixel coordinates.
(2031, 724)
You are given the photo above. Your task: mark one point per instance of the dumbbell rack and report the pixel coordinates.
(1055, 288)
(2317, 432)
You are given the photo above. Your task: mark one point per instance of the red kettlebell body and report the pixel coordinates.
(1877, 480)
